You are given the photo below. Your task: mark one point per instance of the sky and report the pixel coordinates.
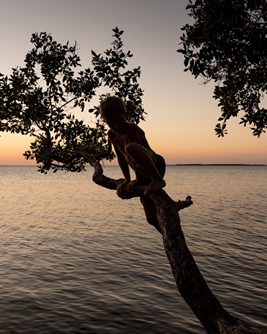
(181, 113)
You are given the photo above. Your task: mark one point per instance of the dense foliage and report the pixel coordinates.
(227, 43)
(41, 98)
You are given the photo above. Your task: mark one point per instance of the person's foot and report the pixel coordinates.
(154, 186)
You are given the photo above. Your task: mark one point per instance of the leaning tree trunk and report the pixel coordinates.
(190, 283)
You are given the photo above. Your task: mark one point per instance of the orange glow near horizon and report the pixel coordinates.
(175, 149)
(12, 148)
(181, 113)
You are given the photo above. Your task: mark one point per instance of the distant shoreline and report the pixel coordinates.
(198, 165)
(216, 165)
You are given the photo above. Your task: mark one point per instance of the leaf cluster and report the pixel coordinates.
(227, 43)
(110, 68)
(40, 99)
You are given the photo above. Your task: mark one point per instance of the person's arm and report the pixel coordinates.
(136, 135)
(133, 184)
(122, 163)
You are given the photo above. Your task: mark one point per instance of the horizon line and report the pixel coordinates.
(185, 164)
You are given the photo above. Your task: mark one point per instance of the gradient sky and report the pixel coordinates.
(181, 111)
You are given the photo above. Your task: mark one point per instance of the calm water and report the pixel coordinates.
(77, 259)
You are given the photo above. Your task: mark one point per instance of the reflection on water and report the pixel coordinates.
(76, 259)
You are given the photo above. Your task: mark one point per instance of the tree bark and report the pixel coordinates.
(190, 283)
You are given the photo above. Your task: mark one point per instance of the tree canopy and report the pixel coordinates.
(40, 100)
(227, 43)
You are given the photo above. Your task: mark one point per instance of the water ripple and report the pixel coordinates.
(75, 259)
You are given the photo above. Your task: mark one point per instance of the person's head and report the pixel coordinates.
(112, 105)
(114, 113)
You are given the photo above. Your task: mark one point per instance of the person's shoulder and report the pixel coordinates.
(111, 134)
(140, 131)
(134, 127)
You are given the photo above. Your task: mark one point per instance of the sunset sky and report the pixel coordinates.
(181, 111)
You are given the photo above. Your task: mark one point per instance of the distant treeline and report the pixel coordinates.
(217, 165)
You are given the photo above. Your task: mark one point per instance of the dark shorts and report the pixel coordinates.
(159, 162)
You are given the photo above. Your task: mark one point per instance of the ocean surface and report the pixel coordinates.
(77, 259)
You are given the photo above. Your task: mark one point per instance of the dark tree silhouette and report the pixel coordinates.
(38, 99)
(227, 43)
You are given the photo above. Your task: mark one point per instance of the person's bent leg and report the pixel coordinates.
(147, 165)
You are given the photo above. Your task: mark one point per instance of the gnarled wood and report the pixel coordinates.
(190, 282)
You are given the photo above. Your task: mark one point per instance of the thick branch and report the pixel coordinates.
(190, 282)
(101, 179)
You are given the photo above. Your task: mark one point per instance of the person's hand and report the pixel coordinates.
(132, 185)
(122, 186)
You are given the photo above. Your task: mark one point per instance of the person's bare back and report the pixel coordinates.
(131, 147)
